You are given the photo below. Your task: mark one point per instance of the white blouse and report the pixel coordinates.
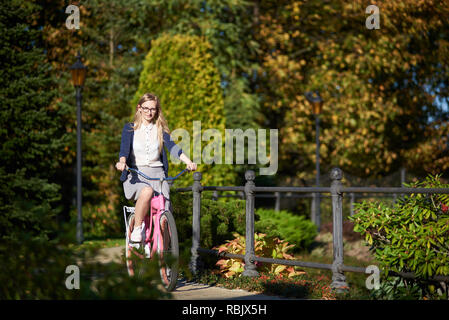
(146, 146)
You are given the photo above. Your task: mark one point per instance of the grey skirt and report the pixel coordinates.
(134, 184)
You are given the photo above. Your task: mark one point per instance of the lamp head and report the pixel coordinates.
(78, 71)
(316, 101)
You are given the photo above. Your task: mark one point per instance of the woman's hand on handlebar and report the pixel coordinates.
(191, 166)
(121, 166)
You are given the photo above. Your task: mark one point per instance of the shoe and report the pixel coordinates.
(136, 235)
(147, 250)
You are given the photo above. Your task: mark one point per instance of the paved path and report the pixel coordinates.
(196, 291)
(191, 290)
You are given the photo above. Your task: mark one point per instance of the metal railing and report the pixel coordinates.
(278, 196)
(336, 190)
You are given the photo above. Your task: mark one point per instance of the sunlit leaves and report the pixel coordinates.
(180, 70)
(264, 246)
(376, 84)
(411, 236)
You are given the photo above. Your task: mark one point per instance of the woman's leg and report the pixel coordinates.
(142, 205)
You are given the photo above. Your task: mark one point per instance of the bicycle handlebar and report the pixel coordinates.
(162, 179)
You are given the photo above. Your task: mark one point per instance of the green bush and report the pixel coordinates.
(34, 268)
(411, 235)
(100, 220)
(283, 224)
(180, 70)
(219, 220)
(263, 247)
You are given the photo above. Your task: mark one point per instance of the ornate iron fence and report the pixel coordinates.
(336, 191)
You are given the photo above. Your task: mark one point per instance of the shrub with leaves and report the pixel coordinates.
(180, 69)
(100, 220)
(285, 225)
(219, 220)
(35, 269)
(264, 246)
(411, 236)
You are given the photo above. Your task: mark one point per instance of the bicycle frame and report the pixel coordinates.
(157, 208)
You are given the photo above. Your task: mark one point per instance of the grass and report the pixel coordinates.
(100, 243)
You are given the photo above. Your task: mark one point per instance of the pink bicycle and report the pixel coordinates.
(160, 237)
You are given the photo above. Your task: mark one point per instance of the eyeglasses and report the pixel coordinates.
(146, 110)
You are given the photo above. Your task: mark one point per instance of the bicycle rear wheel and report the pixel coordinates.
(168, 251)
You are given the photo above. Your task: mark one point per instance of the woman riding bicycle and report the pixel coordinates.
(141, 147)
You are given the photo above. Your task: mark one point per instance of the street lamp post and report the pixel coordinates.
(78, 71)
(317, 105)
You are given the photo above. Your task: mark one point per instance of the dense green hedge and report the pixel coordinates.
(295, 229)
(180, 70)
(219, 220)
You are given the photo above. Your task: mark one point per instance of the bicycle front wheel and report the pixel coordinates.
(168, 251)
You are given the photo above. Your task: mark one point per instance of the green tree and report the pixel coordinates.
(114, 39)
(107, 42)
(28, 127)
(229, 27)
(180, 70)
(380, 87)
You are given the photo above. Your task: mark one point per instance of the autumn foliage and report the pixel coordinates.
(381, 87)
(263, 247)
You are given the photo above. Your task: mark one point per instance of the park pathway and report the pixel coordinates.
(190, 290)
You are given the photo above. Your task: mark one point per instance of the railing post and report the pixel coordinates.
(195, 262)
(250, 266)
(351, 206)
(313, 208)
(338, 278)
(277, 205)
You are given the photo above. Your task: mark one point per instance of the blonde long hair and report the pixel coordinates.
(159, 120)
